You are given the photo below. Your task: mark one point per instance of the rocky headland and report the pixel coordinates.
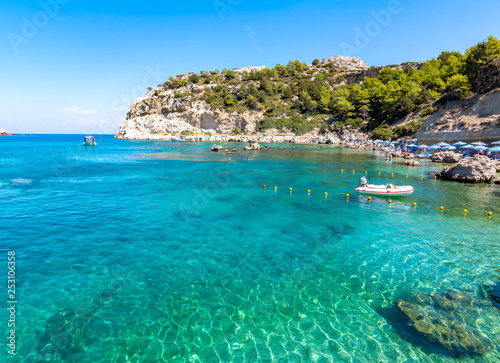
(4, 133)
(453, 97)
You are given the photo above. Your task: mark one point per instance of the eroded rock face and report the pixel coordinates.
(165, 112)
(447, 157)
(472, 119)
(473, 170)
(4, 133)
(448, 319)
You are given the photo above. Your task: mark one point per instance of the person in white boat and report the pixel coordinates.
(362, 181)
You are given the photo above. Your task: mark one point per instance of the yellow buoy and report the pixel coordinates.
(369, 198)
(389, 201)
(342, 170)
(308, 191)
(347, 195)
(275, 187)
(441, 207)
(366, 171)
(353, 170)
(490, 214)
(407, 175)
(326, 193)
(291, 189)
(421, 176)
(392, 173)
(379, 173)
(435, 177)
(465, 211)
(414, 204)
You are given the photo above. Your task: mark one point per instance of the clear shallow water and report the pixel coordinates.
(162, 251)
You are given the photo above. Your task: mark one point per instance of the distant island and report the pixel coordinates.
(454, 96)
(4, 133)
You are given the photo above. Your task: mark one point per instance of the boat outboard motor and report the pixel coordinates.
(363, 181)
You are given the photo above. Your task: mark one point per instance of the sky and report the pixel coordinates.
(74, 66)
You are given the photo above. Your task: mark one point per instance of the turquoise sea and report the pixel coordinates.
(136, 251)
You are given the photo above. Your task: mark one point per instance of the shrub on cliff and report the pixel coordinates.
(482, 64)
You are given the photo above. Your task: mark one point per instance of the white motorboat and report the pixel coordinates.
(89, 141)
(385, 190)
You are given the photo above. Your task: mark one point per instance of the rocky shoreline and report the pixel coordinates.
(4, 133)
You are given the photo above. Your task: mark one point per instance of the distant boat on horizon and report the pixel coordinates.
(89, 141)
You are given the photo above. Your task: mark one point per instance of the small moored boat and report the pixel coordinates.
(177, 139)
(89, 141)
(387, 189)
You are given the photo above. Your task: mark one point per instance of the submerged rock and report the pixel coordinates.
(65, 333)
(495, 294)
(473, 170)
(445, 319)
(411, 162)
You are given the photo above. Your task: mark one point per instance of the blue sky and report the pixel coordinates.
(74, 66)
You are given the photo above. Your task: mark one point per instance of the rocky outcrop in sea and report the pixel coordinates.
(4, 133)
(471, 170)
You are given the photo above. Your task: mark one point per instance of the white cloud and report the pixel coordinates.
(250, 31)
(78, 110)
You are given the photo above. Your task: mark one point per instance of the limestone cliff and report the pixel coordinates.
(162, 113)
(4, 133)
(476, 118)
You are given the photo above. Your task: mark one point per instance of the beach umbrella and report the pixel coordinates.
(479, 143)
(423, 146)
(460, 143)
(495, 149)
(480, 147)
(434, 147)
(496, 143)
(449, 147)
(468, 146)
(412, 145)
(442, 144)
